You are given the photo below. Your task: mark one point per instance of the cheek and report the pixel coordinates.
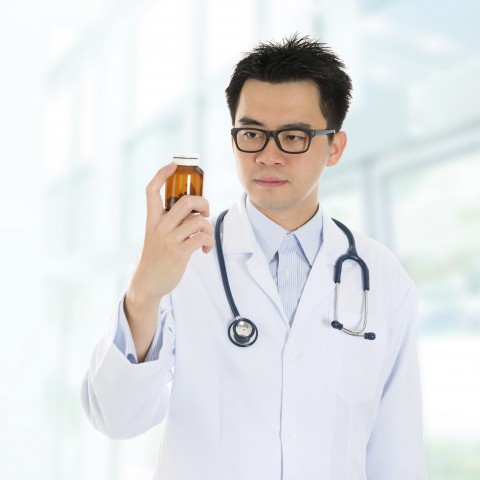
(240, 167)
(312, 171)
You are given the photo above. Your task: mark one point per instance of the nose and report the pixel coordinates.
(270, 155)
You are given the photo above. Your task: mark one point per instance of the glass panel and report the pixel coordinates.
(341, 196)
(163, 62)
(80, 223)
(88, 116)
(437, 230)
(234, 21)
(436, 218)
(58, 134)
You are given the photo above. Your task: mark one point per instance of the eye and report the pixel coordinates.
(294, 136)
(252, 134)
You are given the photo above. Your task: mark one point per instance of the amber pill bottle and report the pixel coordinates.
(187, 179)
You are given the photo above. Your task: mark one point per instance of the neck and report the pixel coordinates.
(289, 220)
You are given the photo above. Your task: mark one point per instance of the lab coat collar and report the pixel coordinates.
(238, 236)
(269, 235)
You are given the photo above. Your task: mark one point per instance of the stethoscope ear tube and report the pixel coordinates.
(339, 326)
(350, 255)
(337, 275)
(337, 271)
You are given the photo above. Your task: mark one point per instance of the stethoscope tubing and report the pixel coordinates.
(223, 269)
(351, 254)
(237, 330)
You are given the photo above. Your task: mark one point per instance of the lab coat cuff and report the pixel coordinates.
(123, 337)
(110, 363)
(124, 341)
(114, 366)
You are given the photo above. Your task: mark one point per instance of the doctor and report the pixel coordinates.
(305, 401)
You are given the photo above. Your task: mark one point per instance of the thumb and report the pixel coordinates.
(154, 199)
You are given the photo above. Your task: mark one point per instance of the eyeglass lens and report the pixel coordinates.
(252, 140)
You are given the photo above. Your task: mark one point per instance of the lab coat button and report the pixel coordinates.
(291, 354)
(290, 436)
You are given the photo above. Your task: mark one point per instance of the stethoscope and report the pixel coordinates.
(244, 333)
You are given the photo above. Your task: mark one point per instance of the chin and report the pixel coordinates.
(270, 205)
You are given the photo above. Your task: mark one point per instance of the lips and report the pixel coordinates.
(271, 182)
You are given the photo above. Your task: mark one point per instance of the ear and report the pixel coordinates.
(336, 148)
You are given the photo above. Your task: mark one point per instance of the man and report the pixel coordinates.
(301, 400)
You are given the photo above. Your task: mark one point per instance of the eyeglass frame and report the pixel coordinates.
(274, 133)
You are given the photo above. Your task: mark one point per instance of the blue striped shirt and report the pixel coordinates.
(290, 256)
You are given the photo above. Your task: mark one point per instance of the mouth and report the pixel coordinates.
(269, 182)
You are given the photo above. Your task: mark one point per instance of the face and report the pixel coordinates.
(281, 185)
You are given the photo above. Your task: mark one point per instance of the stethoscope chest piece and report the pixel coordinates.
(242, 332)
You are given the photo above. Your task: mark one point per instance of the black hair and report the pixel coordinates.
(296, 59)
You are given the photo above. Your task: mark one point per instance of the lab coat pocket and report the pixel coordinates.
(354, 363)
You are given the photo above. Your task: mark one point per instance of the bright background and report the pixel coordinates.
(95, 95)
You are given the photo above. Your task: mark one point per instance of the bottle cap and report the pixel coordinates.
(186, 158)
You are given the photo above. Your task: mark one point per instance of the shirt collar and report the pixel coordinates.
(270, 235)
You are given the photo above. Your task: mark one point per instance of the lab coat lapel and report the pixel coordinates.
(320, 282)
(238, 238)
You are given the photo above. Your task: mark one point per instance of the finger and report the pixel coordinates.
(189, 216)
(154, 199)
(191, 227)
(209, 248)
(192, 203)
(183, 209)
(199, 240)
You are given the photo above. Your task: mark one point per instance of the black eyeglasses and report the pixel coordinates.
(252, 140)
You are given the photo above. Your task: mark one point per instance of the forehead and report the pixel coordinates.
(280, 103)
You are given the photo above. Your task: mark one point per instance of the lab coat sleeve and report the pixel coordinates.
(124, 341)
(395, 449)
(124, 399)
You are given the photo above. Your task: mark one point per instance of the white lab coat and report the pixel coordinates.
(304, 402)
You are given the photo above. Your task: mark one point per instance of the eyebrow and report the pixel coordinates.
(294, 125)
